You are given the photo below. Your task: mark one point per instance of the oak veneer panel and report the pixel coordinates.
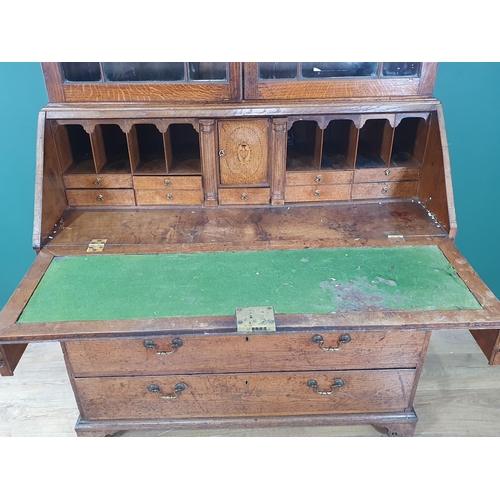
(167, 182)
(402, 189)
(245, 352)
(341, 192)
(95, 181)
(292, 226)
(318, 178)
(246, 394)
(386, 174)
(168, 196)
(98, 197)
(244, 196)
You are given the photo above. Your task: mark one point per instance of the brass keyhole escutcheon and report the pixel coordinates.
(97, 182)
(222, 152)
(387, 172)
(385, 189)
(100, 197)
(168, 182)
(319, 178)
(244, 196)
(317, 192)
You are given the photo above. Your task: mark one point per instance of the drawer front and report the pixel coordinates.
(100, 197)
(167, 182)
(249, 394)
(318, 178)
(318, 193)
(386, 174)
(97, 181)
(245, 353)
(404, 189)
(244, 196)
(169, 196)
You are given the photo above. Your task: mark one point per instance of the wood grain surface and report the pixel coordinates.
(457, 396)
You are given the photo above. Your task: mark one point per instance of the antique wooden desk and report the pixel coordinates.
(257, 244)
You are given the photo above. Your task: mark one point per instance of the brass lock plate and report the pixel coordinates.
(255, 319)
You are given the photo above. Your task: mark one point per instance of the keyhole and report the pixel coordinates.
(246, 382)
(246, 339)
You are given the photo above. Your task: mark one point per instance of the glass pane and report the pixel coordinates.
(401, 69)
(276, 70)
(81, 72)
(338, 69)
(143, 71)
(207, 70)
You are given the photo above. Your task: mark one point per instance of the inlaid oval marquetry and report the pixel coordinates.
(246, 145)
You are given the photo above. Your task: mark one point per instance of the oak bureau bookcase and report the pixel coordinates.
(244, 244)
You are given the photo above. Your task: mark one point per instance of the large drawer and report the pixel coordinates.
(251, 394)
(245, 353)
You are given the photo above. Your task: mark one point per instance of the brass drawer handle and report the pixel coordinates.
(344, 339)
(384, 190)
(338, 382)
(168, 182)
(97, 182)
(176, 343)
(100, 197)
(244, 196)
(181, 386)
(318, 178)
(317, 192)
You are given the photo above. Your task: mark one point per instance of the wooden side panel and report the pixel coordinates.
(10, 354)
(435, 189)
(50, 199)
(489, 342)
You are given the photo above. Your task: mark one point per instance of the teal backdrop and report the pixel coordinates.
(470, 96)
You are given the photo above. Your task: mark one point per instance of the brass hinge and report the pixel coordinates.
(396, 238)
(255, 319)
(96, 246)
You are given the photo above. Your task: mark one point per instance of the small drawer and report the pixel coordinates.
(318, 193)
(386, 174)
(169, 196)
(100, 197)
(246, 394)
(245, 353)
(96, 181)
(244, 196)
(318, 178)
(404, 189)
(167, 182)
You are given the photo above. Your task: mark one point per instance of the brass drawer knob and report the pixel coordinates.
(319, 178)
(170, 196)
(150, 344)
(384, 190)
(222, 152)
(100, 197)
(343, 339)
(154, 388)
(97, 182)
(168, 182)
(338, 382)
(244, 196)
(387, 172)
(317, 192)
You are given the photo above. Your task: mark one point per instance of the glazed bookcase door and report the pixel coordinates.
(129, 82)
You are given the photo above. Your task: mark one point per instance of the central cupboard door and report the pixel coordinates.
(243, 152)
